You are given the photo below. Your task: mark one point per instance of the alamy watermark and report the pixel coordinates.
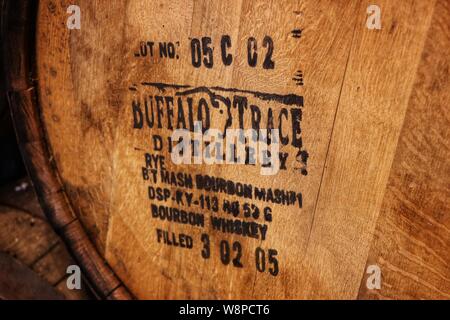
(74, 20)
(373, 281)
(374, 18)
(236, 146)
(73, 281)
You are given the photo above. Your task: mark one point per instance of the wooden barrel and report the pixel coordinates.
(346, 196)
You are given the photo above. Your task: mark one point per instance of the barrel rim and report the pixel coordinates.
(17, 30)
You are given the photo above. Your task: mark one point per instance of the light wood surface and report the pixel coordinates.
(411, 239)
(370, 102)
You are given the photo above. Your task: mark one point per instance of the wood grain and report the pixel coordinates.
(18, 18)
(78, 105)
(130, 247)
(28, 238)
(31, 242)
(17, 282)
(374, 98)
(412, 237)
(77, 126)
(23, 236)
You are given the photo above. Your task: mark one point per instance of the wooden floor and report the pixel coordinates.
(32, 257)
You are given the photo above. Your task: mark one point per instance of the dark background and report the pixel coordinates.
(11, 167)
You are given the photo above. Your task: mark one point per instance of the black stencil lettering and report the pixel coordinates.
(225, 43)
(268, 62)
